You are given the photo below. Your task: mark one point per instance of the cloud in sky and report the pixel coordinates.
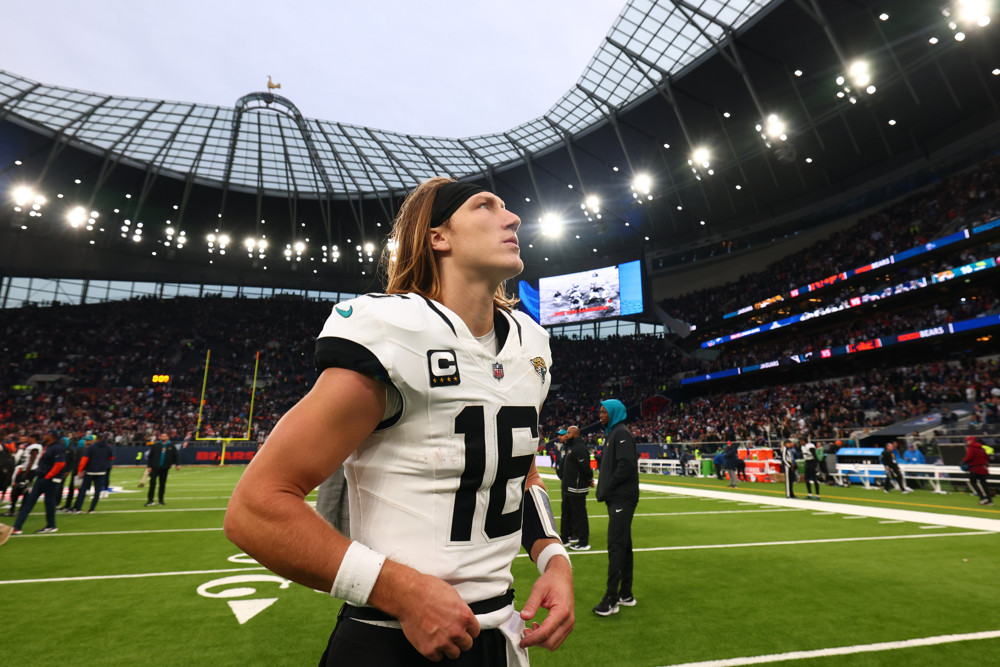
(439, 67)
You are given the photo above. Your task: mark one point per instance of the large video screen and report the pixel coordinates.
(595, 294)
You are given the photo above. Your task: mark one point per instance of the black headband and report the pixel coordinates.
(449, 198)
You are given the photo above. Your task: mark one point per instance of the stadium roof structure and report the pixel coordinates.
(695, 121)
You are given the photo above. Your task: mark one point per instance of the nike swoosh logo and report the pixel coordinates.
(344, 313)
(618, 510)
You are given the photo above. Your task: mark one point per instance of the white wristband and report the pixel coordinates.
(357, 574)
(548, 552)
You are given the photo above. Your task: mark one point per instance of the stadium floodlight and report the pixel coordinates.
(211, 239)
(642, 183)
(593, 202)
(701, 156)
(552, 224)
(22, 195)
(859, 73)
(970, 12)
(76, 216)
(773, 128)
(300, 247)
(250, 243)
(223, 240)
(369, 248)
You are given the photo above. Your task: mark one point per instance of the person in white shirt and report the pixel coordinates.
(429, 395)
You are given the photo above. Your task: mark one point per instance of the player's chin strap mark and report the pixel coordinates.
(538, 523)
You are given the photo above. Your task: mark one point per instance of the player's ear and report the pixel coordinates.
(439, 239)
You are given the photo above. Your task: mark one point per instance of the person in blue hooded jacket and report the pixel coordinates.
(618, 486)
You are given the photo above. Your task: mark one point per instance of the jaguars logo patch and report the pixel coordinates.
(540, 368)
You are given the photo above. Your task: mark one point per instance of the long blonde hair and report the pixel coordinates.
(412, 266)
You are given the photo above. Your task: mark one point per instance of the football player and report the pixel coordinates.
(430, 395)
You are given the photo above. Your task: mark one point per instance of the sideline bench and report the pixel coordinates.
(870, 473)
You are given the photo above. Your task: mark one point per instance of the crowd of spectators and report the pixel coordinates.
(872, 325)
(98, 385)
(967, 198)
(91, 367)
(830, 409)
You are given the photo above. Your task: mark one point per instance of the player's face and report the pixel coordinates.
(482, 235)
(604, 416)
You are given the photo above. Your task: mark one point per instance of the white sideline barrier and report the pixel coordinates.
(875, 472)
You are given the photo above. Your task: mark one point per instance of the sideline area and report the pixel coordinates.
(950, 520)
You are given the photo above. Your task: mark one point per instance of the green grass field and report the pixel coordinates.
(715, 580)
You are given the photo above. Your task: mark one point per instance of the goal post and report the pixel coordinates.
(201, 407)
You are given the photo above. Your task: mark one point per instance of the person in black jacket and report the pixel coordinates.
(732, 460)
(94, 465)
(162, 455)
(892, 471)
(618, 486)
(577, 478)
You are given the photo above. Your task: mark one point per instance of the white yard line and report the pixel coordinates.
(843, 650)
(691, 547)
(104, 577)
(950, 520)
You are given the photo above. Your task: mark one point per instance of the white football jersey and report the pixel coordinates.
(808, 451)
(439, 485)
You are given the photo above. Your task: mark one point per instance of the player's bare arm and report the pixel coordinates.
(269, 519)
(267, 515)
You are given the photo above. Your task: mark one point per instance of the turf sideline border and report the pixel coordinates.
(950, 520)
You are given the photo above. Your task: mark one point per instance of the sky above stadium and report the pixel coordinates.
(450, 68)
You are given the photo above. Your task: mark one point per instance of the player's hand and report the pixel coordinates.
(553, 591)
(436, 620)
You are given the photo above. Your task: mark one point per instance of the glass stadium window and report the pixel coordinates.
(188, 290)
(332, 297)
(119, 290)
(145, 289)
(70, 291)
(606, 329)
(211, 290)
(16, 292)
(255, 292)
(97, 292)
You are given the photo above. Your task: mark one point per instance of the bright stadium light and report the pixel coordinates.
(250, 243)
(701, 156)
(22, 195)
(593, 202)
(76, 216)
(970, 12)
(552, 224)
(859, 73)
(300, 247)
(642, 183)
(223, 240)
(772, 128)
